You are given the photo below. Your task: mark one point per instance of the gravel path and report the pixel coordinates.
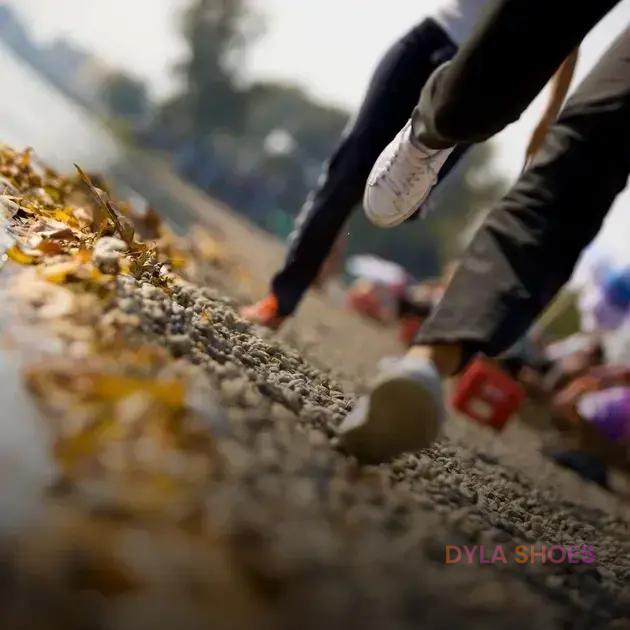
(281, 531)
(332, 539)
(345, 540)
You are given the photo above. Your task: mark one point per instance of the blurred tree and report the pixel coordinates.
(288, 135)
(218, 33)
(125, 96)
(172, 122)
(260, 147)
(313, 126)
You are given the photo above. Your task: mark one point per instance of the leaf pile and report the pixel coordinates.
(196, 486)
(117, 403)
(44, 215)
(127, 439)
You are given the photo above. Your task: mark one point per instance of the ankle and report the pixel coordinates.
(446, 357)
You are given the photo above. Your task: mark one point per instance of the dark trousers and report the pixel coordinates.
(388, 104)
(528, 245)
(514, 51)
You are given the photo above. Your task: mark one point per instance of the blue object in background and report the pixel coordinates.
(616, 288)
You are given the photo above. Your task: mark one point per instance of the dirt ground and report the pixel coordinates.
(288, 533)
(386, 565)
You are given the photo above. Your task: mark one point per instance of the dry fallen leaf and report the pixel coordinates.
(60, 272)
(100, 213)
(123, 226)
(18, 256)
(50, 248)
(171, 393)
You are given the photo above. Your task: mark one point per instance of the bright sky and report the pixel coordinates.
(328, 46)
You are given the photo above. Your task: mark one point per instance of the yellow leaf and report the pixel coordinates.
(77, 446)
(96, 276)
(125, 266)
(18, 256)
(25, 158)
(171, 392)
(58, 274)
(53, 193)
(178, 261)
(65, 216)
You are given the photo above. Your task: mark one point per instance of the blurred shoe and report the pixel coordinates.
(403, 413)
(401, 180)
(264, 313)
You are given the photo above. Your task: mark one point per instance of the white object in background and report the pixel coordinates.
(377, 270)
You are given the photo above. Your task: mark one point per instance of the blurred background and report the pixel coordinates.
(192, 477)
(243, 99)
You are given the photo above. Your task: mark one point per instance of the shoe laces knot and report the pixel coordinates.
(417, 165)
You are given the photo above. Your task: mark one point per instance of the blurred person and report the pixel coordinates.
(594, 409)
(527, 247)
(391, 96)
(570, 358)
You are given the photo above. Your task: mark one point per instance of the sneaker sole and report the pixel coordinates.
(401, 417)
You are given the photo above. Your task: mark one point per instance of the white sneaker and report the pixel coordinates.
(401, 180)
(403, 413)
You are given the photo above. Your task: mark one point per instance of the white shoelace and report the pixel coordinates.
(399, 180)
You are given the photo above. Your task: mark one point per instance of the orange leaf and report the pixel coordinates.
(50, 248)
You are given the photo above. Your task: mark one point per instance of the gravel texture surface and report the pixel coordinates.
(234, 510)
(336, 542)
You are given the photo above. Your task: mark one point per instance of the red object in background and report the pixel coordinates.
(487, 394)
(409, 327)
(371, 300)
(365, 302)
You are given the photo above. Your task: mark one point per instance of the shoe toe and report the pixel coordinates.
(380, 206)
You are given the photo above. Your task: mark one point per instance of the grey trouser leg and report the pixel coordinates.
(515, 50)
(528, 245)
